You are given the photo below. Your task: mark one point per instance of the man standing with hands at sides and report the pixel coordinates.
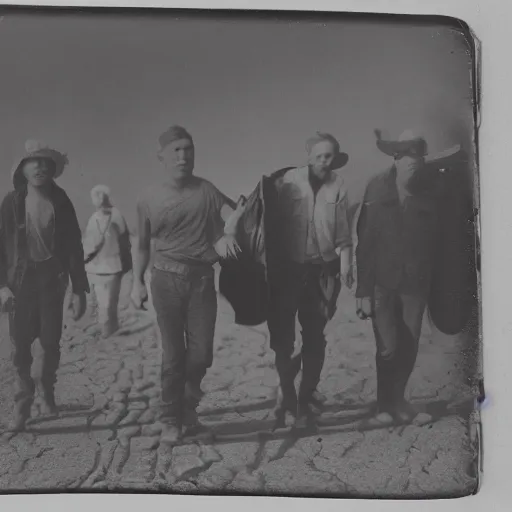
(397, 239)
(40, 249)
(306, 272)
(185, 216)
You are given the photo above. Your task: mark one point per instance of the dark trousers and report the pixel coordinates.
(397, 326)
(186, 309)
(38, 313)
(311, 290)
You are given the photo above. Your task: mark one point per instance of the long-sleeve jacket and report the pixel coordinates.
(396, 243)
(68, 249)
(426, 246)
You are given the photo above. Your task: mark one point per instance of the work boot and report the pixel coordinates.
(287, 369)
(318, 399)
(402, 414)
(314, 400)
(48, 405)
(108, 329)
(193, 427)
(286, 406)
(193, 395)
(171, 433)
(307, 414)
(21, 414)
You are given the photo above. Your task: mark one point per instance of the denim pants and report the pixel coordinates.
(186, 309)
(38, 313)
(397, 325)
(311, 290)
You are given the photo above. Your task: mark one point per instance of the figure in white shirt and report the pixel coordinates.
(108, 257)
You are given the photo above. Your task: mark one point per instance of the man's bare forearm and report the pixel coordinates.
(143, 246)
(141, 263)
(346, 256)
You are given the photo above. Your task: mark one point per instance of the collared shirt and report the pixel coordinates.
(313, 227)
(313, 253)
(40, 222)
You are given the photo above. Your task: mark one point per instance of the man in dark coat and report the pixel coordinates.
(40, 249)
(398, 239)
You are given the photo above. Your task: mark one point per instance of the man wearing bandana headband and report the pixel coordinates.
(184, 216)
(396, 254)
(306, 271)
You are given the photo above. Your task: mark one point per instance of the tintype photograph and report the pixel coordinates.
(239, 254)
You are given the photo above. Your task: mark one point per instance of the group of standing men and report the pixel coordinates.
(193, 225)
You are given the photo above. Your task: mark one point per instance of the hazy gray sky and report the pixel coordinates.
(102, 89)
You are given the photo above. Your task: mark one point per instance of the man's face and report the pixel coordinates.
(321, 158)
(406, 167)
(38, 171)
(98, 199)
(178, 158)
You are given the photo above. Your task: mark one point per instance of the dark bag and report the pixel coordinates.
(243, 281)
(125, 252)
(454, 289)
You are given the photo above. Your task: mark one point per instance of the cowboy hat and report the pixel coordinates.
(36, 149)
(411, 143)
(340, 158)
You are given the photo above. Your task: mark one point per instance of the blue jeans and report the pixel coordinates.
(186, 309)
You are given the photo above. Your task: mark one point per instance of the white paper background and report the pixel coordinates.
(491, 21)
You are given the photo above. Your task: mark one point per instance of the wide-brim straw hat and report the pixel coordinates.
(37, 149)
(412, 143)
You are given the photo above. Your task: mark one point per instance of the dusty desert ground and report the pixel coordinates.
(107, 436)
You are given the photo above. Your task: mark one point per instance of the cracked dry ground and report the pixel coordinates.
(108, 438)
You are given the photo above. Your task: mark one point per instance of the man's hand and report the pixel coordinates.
(347, 276)
(6, 299)
(227, 247)
(346, 267)
(78, 305)
(139, 295)
(364, 308)
(232, 217)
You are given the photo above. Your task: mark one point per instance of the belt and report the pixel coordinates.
(184, 269)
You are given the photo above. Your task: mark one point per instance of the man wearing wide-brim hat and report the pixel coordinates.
(40, 249)
(395, 256)
(310, 256)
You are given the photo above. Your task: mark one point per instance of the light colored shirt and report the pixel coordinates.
(108, 259)
(312, 227)
(40, 227)
(185, 224)
(313, 253)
